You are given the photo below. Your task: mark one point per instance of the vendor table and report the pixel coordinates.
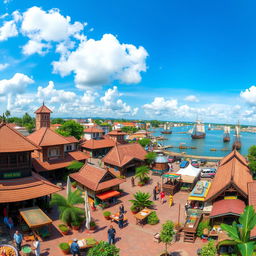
(83, 243)
(115, 217)
(141, 216)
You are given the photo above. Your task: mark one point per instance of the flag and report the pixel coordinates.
(87, 210)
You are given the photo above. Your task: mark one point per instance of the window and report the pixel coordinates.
(53, 152)
(68, 147)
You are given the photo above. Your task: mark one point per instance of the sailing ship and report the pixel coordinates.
(167, 129)
(198, 131)
(209, 127)
(226, 136)
(237, 142)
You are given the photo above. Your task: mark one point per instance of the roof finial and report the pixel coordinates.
(43, 103)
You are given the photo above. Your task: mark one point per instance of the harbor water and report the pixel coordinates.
(212, 140)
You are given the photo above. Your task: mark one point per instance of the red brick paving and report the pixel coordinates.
(132, 240)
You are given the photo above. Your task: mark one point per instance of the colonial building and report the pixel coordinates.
(228, 193)
(55, 151)
(93, 133)
(101, 185)
(124, 158)
(118, 136)
(19, 185)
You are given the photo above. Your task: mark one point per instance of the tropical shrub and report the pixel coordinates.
(92, 224)
(68, 211)
(209, 249)
(167, 233)
(202, 225)
(240, 234)
(141, 200)
(134, 209)
(75, 166)
(64, 246)
(106, 214)
(63, 228)
(142, 172)
(103, 249)
(150, 157)
(153, 219)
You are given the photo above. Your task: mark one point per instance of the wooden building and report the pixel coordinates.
(124, 158)
(19, 185)
(118, 136)
(102, 185)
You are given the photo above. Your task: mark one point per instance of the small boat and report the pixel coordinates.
(198, 131)
(237, 143)
(167, 129)
(226, 136)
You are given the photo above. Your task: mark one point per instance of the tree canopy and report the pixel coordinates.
(167, 233)
(58, 121)
(144, 142)
(129, 129)
(252, 159)
(103, 249)
(71, 128)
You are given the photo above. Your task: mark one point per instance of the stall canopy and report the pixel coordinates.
(108, 194)
(189, 173)
(171, 175)
(35, 217)
(200, 191)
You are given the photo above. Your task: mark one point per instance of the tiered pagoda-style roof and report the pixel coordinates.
(43, 109)
(122, 154)
(233, 171)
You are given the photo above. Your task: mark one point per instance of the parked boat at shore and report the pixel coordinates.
(167, 129)
(226, 136)
(198, 131)
(237, 143)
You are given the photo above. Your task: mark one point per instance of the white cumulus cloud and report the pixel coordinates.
(249, 95)
(99, 62)
(8, 30)
(191, 98)
(3, 66)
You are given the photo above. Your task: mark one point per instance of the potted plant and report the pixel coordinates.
(141, 200)
(74, 184)
(141, 183)
(64, 229)
(92, 225)
(75, 225)
(146, 180)
(134, 209)
(64, 247)
(107, 215)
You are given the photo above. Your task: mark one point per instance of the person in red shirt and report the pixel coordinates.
(162, 196)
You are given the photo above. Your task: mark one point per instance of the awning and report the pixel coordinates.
(227, 207)
(196, 198)
(171, 175)
(108, 194)
(35, 217)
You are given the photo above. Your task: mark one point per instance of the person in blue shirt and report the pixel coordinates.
(18, 239)
(111, 235)
(74, 248)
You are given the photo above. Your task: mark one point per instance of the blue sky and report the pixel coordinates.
(170, 60)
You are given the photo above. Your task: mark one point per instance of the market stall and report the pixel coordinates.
(189, 176)
(171, 183)
(160, 165)
(142, 216)
(37, 221)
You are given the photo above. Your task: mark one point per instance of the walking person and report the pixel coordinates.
(74, 248)
(18, 239)
(111, 235)
(121, 208)
(170, 200)
(162, 196)
(36, 245)
(154, 193)
(121, 220)
(133, 181)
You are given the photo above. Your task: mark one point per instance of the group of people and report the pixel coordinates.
(157, 190)
(18, 238)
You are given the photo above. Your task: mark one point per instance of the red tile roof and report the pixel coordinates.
(91, 177)
(59, 163)
(252, 194)
(232, 171)
(13, 141)
(43, 109)
(227, 207)
(47, 137)
(120, 155)
(93, 129)
(71, 139)
(97, 144)
(27, 188)
(117, 132)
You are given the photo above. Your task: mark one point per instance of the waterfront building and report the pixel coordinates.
(54, 151)
(101, 184)
(19, 185)
(124, 158)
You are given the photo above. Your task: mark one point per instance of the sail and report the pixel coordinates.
(226, 129)
(237, 131)
(165, 126)
(200, 128)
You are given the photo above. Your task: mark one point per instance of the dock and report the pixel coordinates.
(170, 153)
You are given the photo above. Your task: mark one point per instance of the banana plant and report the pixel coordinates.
(240, 233)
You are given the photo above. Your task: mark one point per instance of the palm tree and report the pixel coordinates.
(142, 172)
(75, 166)
(69, 213)
(141, 200)
(7, 114)
(240, 234)
(150, 157)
